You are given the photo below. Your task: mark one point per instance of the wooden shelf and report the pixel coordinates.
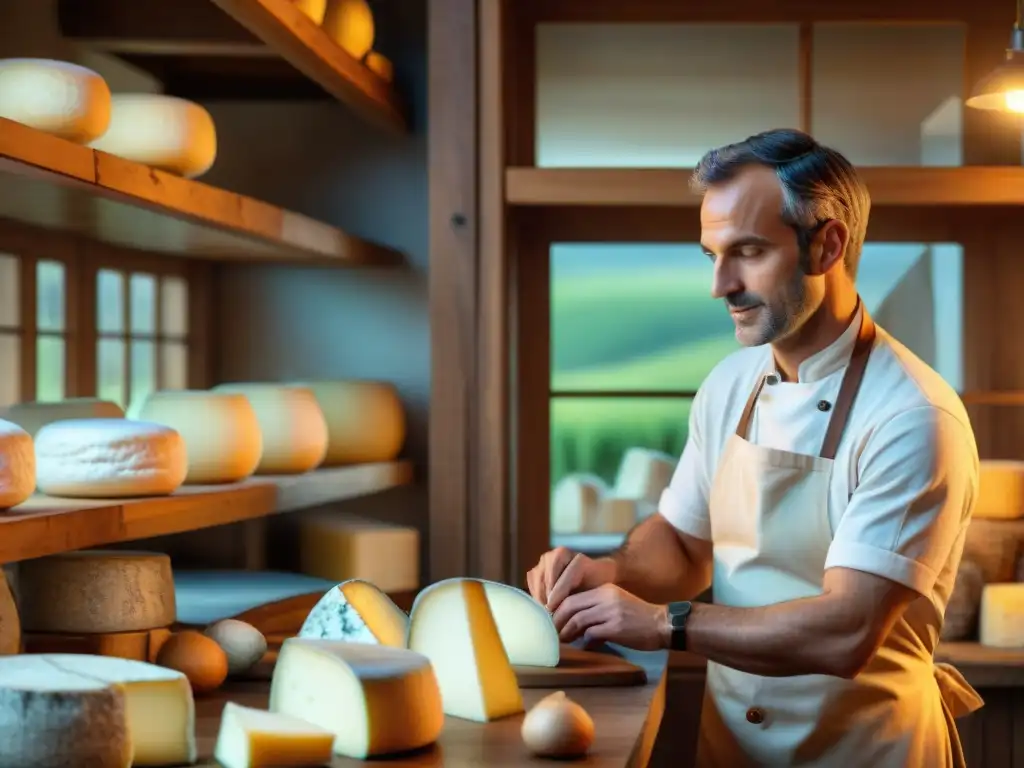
(983, 666)
(45, 526)
(993, 398)
(658, 187)
(48, 182)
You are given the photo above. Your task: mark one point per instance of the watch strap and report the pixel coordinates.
(678, 613)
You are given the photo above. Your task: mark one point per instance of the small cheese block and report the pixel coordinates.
(376, 700)
(314, 9)
(255, 738)
(961, 614)
(618, 515)
(356, 611)
(109, 459)
(575, 502)
(96, 591)
(644, 474)
(137, 646)
(340, 547)
(292, 423)
(1000, 490)
(205, 596)
(161, 710)
(52, 717)
(56, 97)
(163, 132)
(10, 621)
(33, 416)
(365, 420)
(221, 433)
(527, 630)
(17, 465)
(380, 66)
(349, 23)
(452, 625)
(1001, 622)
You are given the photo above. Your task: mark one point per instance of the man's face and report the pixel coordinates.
(758, 269)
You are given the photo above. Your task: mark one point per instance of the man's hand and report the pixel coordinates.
(611, 614)
(561, 572)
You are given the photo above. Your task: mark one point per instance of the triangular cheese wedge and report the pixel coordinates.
(452, 625)
(250, 738)
(356, 611)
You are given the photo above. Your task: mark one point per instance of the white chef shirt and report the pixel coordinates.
(906, 471)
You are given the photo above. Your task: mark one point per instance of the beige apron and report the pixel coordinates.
(771, 534)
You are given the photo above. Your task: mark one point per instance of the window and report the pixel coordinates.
(10, 330)
(634, 331)
(51, 330)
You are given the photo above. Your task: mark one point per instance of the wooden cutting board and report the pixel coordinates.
(579, 669)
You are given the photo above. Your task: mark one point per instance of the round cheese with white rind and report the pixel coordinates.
(109, 458)
(293, 426)
(56, 97)
(34, 415)
(163, 132)
(17, 465)
(221, 432)
(365, 420)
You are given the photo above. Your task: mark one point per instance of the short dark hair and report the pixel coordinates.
(818, 183)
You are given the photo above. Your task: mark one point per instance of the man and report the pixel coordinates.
(823, 493)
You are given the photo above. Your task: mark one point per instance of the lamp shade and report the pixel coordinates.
(1002, 89)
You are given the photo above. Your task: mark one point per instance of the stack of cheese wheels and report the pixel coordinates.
(221, 432)
(163, 132)
(365, 420)
(349, 23)
(34, 415)
(292, 423)
(107, 602)
(109, 458)
(17, 465)
(55, 97)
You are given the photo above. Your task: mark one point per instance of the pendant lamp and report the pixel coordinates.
(1002, 89)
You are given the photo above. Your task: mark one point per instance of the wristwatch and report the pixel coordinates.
(678, 613)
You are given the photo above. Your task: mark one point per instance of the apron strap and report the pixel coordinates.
(847, 390)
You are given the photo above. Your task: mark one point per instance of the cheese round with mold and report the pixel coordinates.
(17, 465)
(56, 97)
(109, 458)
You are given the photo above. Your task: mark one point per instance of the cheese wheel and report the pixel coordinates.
(17, 465)
(96, 591)
(253, 737)
(380, 66)
(55, 97)
(356, 611)
(138, 646)
(1001, 622)
(292, 423)
(314, 9)
(109, 458)
(365, 420)
(33, 416)
(221, 433)
(339, 547)
(576, 502)
(376, 700)
(1000, 490)
(52, 717)
(163, 132)
(644, 474)
(349, 23)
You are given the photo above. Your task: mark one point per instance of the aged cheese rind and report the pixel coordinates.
(451, 623)
(1001, 622)
(221, 433)
(34, 415)
(255, 738)
(365, 420)
(109, 458)
(340, 547)
(356, 611)
(56, 97)
(52, 718)
(17, 465)
(375, 699)
(96, 591)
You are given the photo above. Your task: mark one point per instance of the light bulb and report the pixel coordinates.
(1015, 100)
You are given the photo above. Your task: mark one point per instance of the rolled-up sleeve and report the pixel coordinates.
(918, 477)
(685, 502)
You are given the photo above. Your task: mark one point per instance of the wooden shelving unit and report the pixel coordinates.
(45, 525)
(48, 182)
(658, 187)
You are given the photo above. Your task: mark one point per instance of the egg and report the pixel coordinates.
(243, 643)
(557, 726)
(197, 657)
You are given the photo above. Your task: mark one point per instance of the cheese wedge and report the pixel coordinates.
(356, 611)
(452, 625)
(254, 738)
(525, 627)
(376, 700)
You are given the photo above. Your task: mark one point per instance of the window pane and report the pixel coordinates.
(632, 316)
(10, 290)
(173, 365)
(10, 369)
(50, 296)
(143, 303)
(109, 301)
(660, 95)
(49, 368)
(901, 103)
(174, 306)
(143, 369)
(110, 370)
